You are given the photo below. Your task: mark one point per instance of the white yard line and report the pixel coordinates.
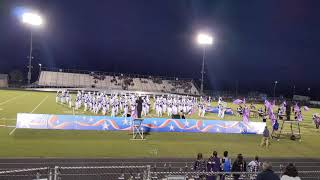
(44, 99)
(12, 99)
(12, 131)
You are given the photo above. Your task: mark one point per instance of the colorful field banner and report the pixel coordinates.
(215, 110)
(104, 123)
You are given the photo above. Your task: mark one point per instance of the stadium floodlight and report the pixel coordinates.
(204, 40)
(35, 20)
(40, 66)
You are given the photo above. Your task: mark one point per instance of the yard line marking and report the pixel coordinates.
(12, 99)
(44, 99)
(12, 131)
(39, 104)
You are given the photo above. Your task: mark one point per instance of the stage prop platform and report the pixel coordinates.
(104, 123)
(294, 130)
(137, 129)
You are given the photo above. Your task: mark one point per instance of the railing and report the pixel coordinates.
(145, 172)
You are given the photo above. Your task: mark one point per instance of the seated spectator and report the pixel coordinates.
(267, 173)
(290, 173)
(239, 165)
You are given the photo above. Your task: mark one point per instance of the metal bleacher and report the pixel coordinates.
(111, 81)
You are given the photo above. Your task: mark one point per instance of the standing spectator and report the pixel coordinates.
(225, 164)
(239, 165)
(267, 173)
(265, 137)
(199, 165)
(290, 173)
(213, 165)
(254, 165)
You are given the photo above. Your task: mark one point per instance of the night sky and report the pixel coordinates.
(256, 42)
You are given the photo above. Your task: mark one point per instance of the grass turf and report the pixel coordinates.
(59, 143)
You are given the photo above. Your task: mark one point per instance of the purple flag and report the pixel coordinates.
(245, 115)
(237, 101)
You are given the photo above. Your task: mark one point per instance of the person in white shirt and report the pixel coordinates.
(104, 110)
(174, 110)
(113, 111)
(169, 110)
(125, 110)
(254, 165)
(203, 112)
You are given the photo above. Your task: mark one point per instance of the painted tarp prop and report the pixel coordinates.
(216, 110)
(104, 123)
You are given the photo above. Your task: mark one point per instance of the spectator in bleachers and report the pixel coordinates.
(239, 165)
(290, 173)
(267, 173)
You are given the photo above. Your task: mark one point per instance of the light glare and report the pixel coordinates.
(204, 39)
(32, 19)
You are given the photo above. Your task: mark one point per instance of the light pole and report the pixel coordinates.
(204, 40)
(40, 65)
(34, 20)
(274, 89)
(30, 59)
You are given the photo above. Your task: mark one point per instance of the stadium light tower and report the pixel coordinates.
(204, 40)
(274, 89)
(40, 66)
(34, 20)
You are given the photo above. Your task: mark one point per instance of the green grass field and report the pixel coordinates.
(59, 143)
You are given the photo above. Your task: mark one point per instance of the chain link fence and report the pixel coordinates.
(26, 174)
(146, 172)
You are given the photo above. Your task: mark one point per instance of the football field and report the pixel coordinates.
(61, 143)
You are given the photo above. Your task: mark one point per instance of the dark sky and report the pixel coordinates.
(256, 42)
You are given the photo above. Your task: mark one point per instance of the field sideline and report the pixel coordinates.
(58, 143)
